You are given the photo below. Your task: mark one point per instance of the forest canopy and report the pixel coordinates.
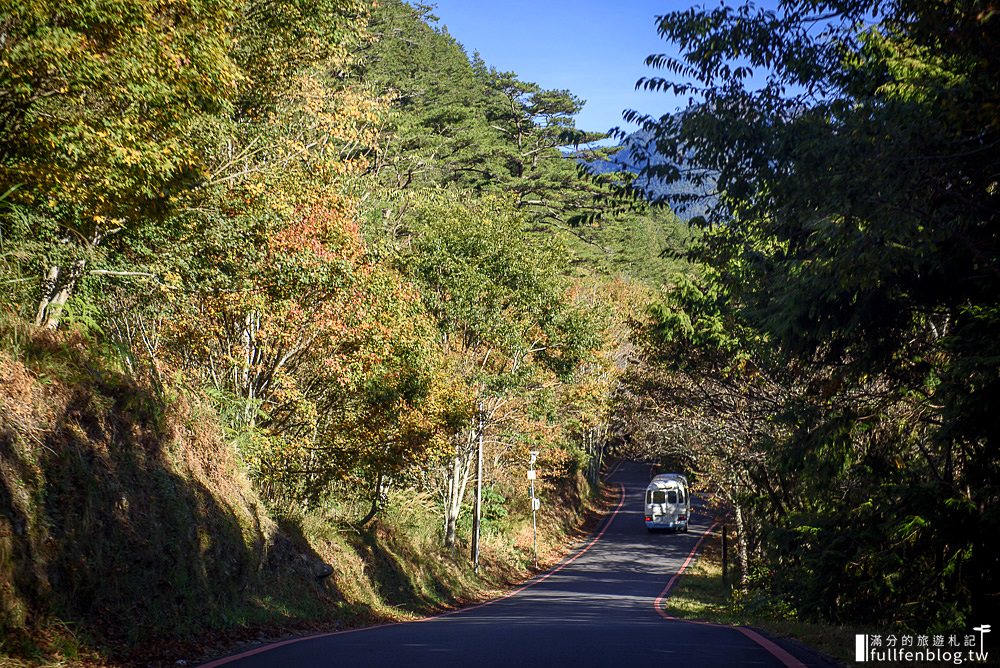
(836, 357)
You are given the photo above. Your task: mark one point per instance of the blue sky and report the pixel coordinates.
(594, 48)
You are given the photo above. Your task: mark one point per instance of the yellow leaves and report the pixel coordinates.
(172, 278)
(130, 156)
(257, 187)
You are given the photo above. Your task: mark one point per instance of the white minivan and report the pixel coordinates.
(668, 503)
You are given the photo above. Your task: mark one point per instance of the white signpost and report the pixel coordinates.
(478, 516)
(535, 505)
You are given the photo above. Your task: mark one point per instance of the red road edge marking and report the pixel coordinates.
(775, 650)
(658, 603)
(530, 583)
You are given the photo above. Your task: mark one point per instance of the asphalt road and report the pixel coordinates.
(596, 610)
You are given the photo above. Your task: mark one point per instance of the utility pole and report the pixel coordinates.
(477, 518)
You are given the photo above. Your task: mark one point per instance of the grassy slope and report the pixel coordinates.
(702, 594)
(129, 531)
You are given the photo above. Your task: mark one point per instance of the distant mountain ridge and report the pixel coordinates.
(638, 153)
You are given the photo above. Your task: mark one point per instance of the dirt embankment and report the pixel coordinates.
(124, 516)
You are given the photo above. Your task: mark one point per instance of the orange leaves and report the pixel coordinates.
(327, 347)
(325, 233)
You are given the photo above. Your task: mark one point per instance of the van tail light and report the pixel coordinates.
(649, 519)
(682, 517)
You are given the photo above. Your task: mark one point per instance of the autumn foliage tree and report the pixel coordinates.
(98, 103)
(327, 219)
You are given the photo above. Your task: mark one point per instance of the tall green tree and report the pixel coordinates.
(502, 315)
(853, 146)
(460, 122)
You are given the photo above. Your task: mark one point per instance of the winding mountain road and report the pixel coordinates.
(600, 607)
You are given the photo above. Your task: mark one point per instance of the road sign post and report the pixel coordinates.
(477, 518)
(534, 506)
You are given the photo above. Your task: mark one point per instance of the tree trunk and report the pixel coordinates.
(742, 550)
(55, 294)
(594, 439)
(458, 479)
(379, 497)
(250, 372)
(49, 284)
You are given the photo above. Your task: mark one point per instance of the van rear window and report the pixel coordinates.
(672, 496)
(659, 496)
